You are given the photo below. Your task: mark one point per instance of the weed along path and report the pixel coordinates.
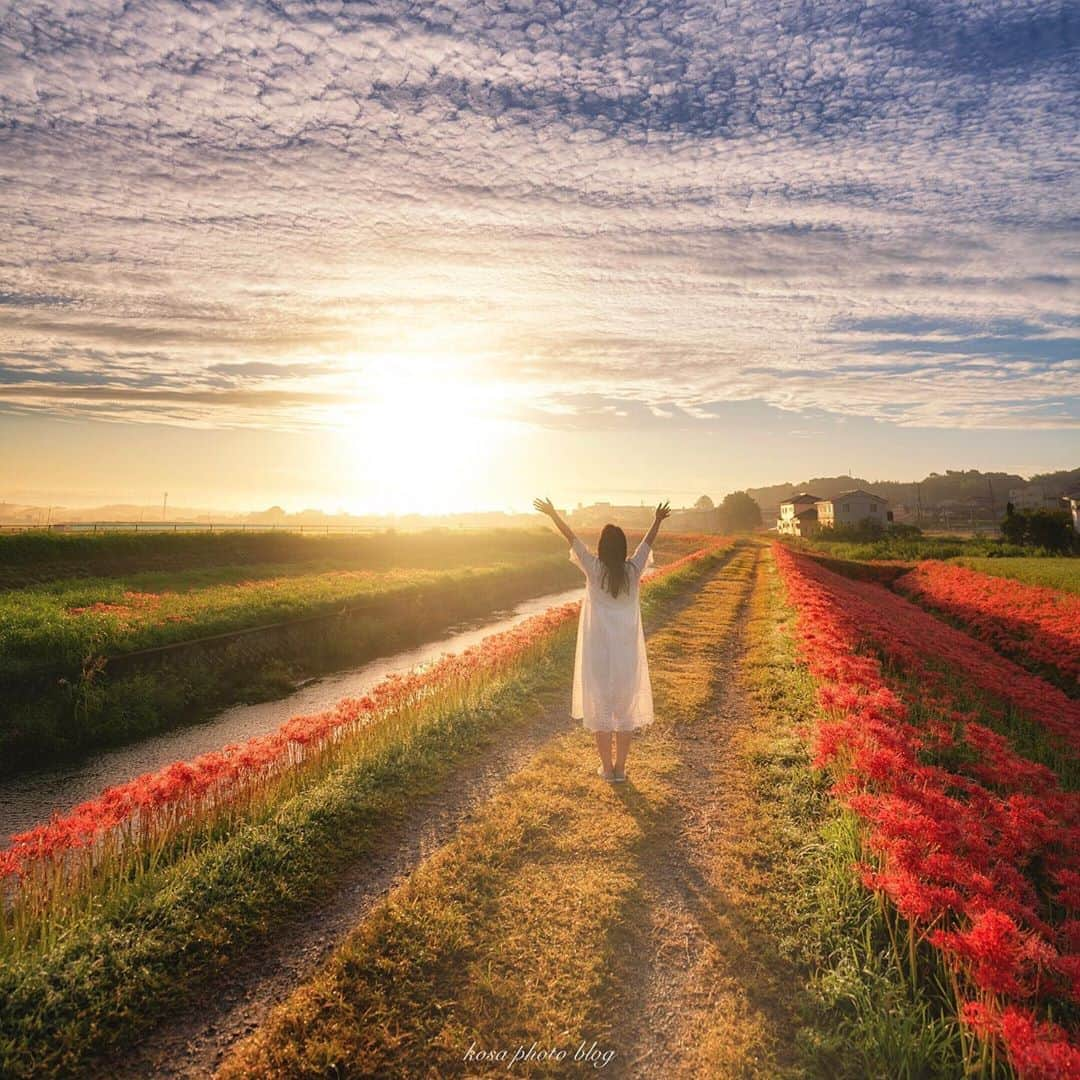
(417, 831)
(573, 924)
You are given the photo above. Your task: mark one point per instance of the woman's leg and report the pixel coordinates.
(603, 748)
(622, 748)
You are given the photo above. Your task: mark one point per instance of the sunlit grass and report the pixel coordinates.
(1053, 572)
(60, 623)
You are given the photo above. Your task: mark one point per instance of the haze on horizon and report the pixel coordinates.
(431, 257)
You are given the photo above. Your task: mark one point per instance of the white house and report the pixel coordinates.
(851, 508)
(798, 515)
(1073, 500)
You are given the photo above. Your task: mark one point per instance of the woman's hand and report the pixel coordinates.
(546, 506)
(662, 511)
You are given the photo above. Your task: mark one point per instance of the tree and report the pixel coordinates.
(1048, 529)
(704, 503)
(739, 512)
(273, 514)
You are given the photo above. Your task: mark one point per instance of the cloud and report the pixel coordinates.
(866, 209)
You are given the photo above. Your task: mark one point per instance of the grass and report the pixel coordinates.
(510, 935)
(61, 623)
(1058, 572)
(59, 699)
(912, 549)
(35, 557)
(117, 970)
(32, 558)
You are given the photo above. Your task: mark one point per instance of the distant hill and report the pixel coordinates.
(954, 485)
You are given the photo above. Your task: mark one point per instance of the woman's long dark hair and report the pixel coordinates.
(612, 553)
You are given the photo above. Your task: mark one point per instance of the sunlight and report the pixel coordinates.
(420, 435)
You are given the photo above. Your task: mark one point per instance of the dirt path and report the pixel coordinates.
(195, 1041)
(711, 995)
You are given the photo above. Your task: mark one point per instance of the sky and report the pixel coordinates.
(409, 256)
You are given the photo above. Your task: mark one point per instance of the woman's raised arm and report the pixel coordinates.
(547, 507)
(662, 511)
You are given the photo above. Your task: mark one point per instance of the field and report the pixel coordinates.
(912, 549)
(34, 557)
(1055, 573)
(847, 847)
(64, 621)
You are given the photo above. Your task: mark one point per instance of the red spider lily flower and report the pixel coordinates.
(966, 835)
(1036, 626)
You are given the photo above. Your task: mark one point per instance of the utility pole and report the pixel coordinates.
(990, 485)
(164, 503)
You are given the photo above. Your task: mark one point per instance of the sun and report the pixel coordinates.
(420, 434)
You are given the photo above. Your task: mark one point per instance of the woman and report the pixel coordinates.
(612, 693)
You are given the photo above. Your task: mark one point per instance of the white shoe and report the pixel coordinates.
(603, 775)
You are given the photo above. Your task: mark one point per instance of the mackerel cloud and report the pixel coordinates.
(227, 213)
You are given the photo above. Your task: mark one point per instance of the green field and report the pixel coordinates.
(207, 901)
(1055, 573)
(909, 549)
(62, 622)
(35, 557)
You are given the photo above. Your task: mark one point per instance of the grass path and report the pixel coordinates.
(572, 917)
(713, 994)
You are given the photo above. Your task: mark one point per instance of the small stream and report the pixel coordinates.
(30, 798)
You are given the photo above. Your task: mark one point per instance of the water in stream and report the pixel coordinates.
(31, 797)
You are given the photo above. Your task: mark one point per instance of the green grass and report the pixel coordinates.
(61, 623)
(57, 700)
(117, 971)
(912, 549)
(57, 624)
(26, 558)
(1058, 572)
(32, 558)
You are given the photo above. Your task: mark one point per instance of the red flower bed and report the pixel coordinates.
(1037, 626)
(977, 848)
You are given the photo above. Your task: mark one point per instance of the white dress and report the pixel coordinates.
(612, 691)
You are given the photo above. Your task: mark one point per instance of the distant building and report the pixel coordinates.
(799, 515)
(852, 508)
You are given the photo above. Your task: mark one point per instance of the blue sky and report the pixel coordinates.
(761, 240)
